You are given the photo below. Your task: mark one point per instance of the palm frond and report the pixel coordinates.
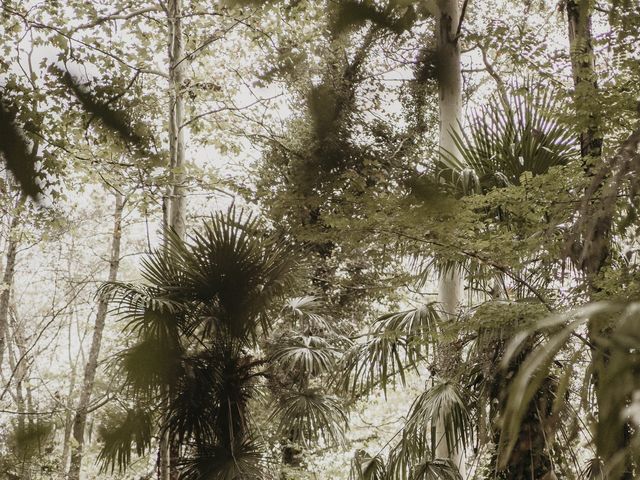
(535, 368)
(150, 365)
(308, 355)
(29, 440)
(305, 310)
(366, 467)
(245, 461)
(209, 403)
(395, 342)
(505, 140)
(411, 449)
(436, 469)
(237, 273)
(594, 470)
(443, 404)
(131, 431)
(308, 415)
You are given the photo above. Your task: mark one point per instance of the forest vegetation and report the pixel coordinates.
(320, 239)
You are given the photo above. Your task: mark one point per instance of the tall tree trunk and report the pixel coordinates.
(177, 63)
(7, 276)
(68, 426)
(175, 205)
(611, 442)
(450, 105)
(13, 356)
(91, 367)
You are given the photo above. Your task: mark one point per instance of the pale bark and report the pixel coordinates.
(174, 204)
(450, 288)
(80, 418)
(177, 63)
(20, 374)
(7, 276)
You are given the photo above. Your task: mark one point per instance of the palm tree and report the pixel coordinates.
(303, 351)
(513, 136)
(194, 367)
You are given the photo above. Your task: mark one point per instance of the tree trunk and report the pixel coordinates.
(611, 443)
(91, 367)
(7, 277)
(450, 105)
(177, 62)
(174, 206)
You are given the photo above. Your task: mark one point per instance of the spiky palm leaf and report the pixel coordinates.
(412, 448)
(594, 470)
(149, 367)
(130, 431)
(245, 461)
(209, 403)
(204, 304)
(308, 355)
(305, 311)
(395, 342)
(505, 139)
(366, 467)
(306, 416)
(445, 404)
(436, 469)
(236, 274)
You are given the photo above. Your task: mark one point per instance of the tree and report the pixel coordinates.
(80, 418)
(504, 145)
(195, 326)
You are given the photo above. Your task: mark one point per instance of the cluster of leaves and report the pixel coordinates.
(194, 361)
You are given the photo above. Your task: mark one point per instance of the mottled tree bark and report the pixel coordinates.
(610, 442)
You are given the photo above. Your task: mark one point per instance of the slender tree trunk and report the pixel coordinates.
(7, 276)
(68, 427)
(73, 366)
(450, 105)
(13, 357)
(611, 444)
(80, 418)
(177, 62)
(175, 205)
(450, 286)
(584, 79)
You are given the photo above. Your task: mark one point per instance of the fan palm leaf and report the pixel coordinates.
(132, 431)
(366, 467)
(444, 403)
(245, 461)
(505, 140)
(436, 469)
(150, 366)
(306, 416)
(395, 342)
(200, 311)
(411, 449)
(305, 311)
(308, 355)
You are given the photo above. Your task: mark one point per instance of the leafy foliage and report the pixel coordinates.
(395, 341)
(508, 137)
(133, 429)
(19, 156)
